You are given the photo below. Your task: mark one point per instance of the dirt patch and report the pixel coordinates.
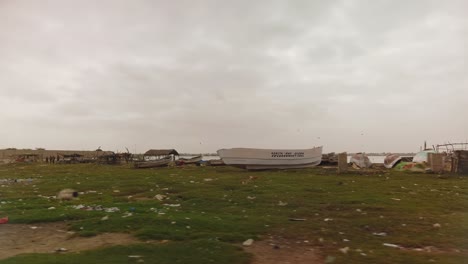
(47, 238)
(283, 251)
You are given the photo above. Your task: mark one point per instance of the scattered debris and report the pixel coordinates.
(379, 234)
(172, 205)
(61, 250)
(297, 219)
(327, 219)
(280, 203)
(96, 208)
(67, 194)
(160, 197)
(4, 220)
(344, 250)
(51, 208)
(105, 218)
(127, 215)
(248, 242)
(391, 245)
(437, 225)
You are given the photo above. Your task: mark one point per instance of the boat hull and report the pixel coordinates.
(194, 160)
(216, 163)
(152, 164)
(262, 159)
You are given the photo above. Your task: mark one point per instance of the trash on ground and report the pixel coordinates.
(172, 205)
(297, 219)
(379, 234)
(344, 250)
(248, 242)
(280, 203)
(96, 208)
(160, 197)
(67, 194)
(391, 245)
(127, 215)
(4, 220)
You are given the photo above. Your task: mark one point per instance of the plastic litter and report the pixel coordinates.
(344, 250)
(4, 220)
(280, 203)
(379, 234)
(172, 205)
(248, 242)
(297, 219)
(391, 245)
(160, 197)
(67, 194)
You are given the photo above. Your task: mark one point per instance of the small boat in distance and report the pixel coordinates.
(193, 160)
(153, 163)
(261, 159)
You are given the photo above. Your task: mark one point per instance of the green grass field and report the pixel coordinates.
(208, 211)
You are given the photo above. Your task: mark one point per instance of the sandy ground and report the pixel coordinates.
(277, 250)
(51, 237)
(46, 238)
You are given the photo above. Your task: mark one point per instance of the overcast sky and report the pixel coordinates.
(202, 75)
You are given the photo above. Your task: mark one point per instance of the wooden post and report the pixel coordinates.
(342, 162)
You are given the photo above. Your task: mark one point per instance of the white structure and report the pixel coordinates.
(259, 159)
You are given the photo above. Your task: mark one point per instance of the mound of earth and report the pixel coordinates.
(283, 251)
(51, 237)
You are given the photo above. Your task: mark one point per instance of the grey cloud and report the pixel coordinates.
(210, 74)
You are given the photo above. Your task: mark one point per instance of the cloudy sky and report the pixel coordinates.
(202, 75)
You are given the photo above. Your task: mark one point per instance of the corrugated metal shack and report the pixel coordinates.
(115, 158)
(460, 161)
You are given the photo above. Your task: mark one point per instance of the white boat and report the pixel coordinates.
(260, 159)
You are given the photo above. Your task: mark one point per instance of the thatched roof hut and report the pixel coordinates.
(161, 152)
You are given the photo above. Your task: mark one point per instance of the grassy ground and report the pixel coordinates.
(208, 210)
